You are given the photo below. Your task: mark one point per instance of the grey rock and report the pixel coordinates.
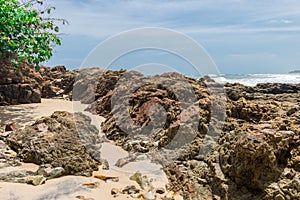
(36, 180)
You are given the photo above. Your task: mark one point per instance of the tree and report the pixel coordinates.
(26, 34)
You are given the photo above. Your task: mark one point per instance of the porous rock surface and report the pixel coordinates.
(256, 155)
(62, 141)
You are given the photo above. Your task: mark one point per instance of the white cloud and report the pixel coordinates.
(280, 21)
(101, 19)
(252, 56)
(237, 29)
(219, 20)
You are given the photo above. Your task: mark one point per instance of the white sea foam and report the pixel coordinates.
(253, 79)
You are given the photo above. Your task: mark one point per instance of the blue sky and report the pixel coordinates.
(241, 36)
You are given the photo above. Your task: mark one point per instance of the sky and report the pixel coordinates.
(240, 36)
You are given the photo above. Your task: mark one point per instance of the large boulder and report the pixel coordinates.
(61, 140)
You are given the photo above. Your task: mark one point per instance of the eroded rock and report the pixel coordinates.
(60, 145)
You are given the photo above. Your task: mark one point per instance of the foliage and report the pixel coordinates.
(25, 34)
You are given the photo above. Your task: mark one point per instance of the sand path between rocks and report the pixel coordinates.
(72, 187)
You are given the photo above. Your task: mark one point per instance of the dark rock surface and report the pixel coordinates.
(58, 81)
(19, 87)
(29, 86)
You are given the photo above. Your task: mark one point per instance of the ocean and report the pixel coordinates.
(253, 79)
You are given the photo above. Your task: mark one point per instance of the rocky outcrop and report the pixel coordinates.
(61, 141)
(256, 155)
(19, 93)
(170, 118)
(93, 83)
(21, 87)
(280, 91)
(57, 82)
(26, 85)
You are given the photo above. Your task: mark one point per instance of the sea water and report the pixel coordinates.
(253, 79)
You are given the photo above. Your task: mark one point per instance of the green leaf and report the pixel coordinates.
(25, 33)
(37, 68)
(15, 63)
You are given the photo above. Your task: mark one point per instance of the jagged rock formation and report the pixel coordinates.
(257, 152)
(57, 82)
(19, 87)
(29, 86)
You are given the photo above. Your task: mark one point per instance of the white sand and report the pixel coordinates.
(71, 186)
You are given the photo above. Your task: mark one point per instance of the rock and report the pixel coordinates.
(130, 189)
(105, 164)
(29, 86)
(36, 180)
(114, 191)
(238, 152)
(15, 176)
(84, 198)
(8, 158)
(149, 196)
(19, 93)
(141, 180)
(255, 150)
(5, 134)
(10, 127)
(91, 185)
(62, 144)
(21, 87)
(160, 190)
(279, 197)
(123, 161)
(106, 178)
(49, 172)
(58, 82)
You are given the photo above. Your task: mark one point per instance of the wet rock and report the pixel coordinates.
(277, 88)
